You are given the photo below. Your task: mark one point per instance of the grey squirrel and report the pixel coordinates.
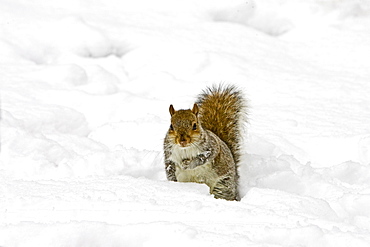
(202, 145)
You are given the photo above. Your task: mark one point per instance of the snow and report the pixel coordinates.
(85, 88)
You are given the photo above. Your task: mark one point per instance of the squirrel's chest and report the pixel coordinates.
(201, 174)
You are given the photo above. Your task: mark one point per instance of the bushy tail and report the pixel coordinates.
(223, 111)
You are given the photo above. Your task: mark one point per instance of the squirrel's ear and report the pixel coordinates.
(172, 110)
(195, 109)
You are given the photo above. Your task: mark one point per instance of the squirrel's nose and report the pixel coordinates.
(183, 141)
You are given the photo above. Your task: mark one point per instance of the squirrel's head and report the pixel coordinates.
(184, 128)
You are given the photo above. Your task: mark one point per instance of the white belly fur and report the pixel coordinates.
(201, 174)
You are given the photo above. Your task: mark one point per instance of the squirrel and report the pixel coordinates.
(202, 145)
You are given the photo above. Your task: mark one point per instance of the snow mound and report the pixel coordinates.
(73, 34)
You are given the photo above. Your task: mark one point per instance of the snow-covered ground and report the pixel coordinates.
(84, 93)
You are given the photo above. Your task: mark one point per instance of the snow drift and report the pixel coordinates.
(85, 89)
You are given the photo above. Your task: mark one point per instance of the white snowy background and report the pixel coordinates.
(85, 88)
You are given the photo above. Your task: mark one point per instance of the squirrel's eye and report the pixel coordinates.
(171, 127)
(195, 126)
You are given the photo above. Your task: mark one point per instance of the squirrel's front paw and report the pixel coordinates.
(204, 156)
(189, 164)
(186, 164)
(199, 160)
